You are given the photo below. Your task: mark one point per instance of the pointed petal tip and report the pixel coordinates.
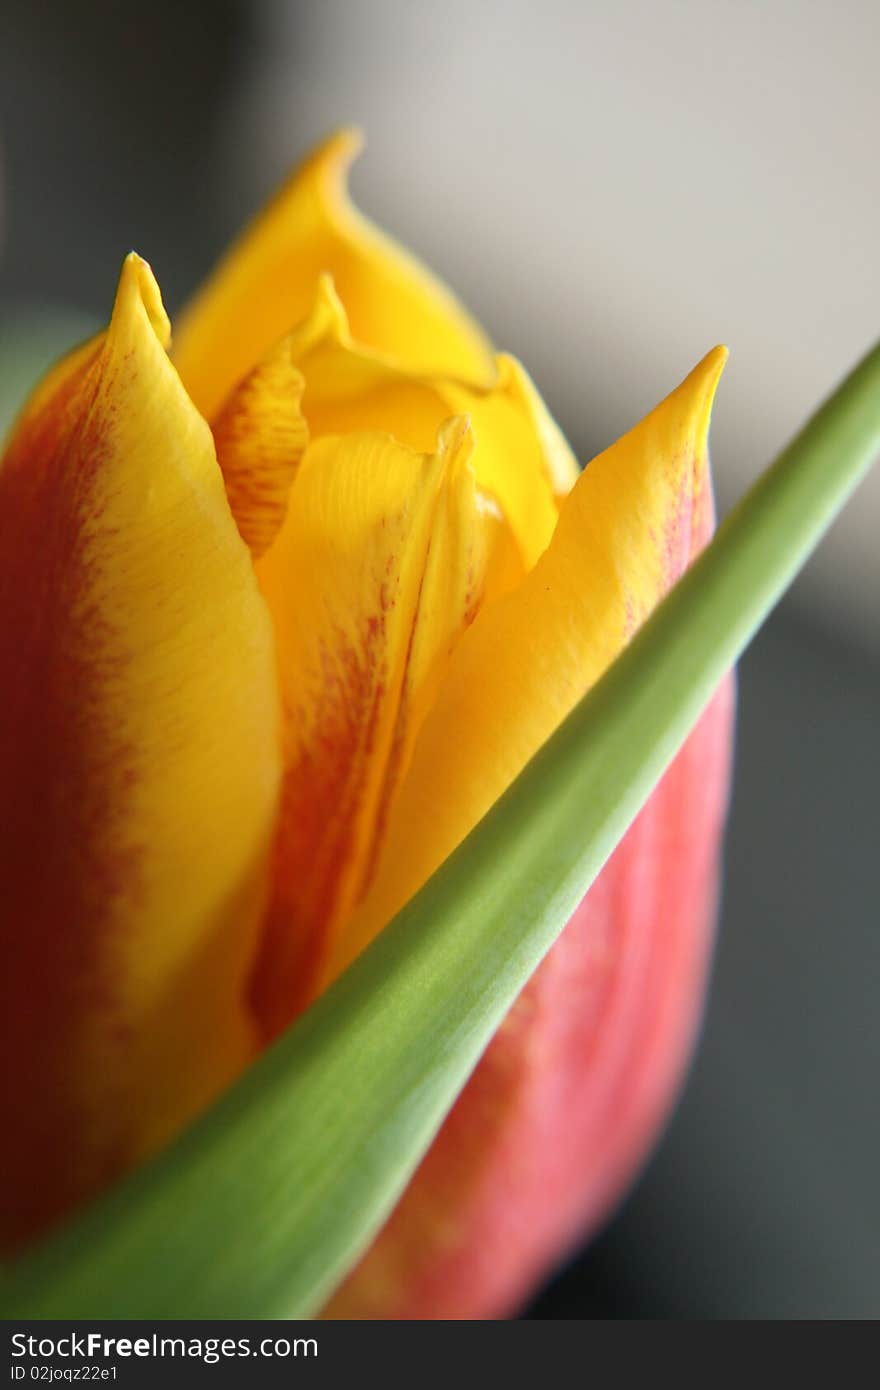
(704, 377)
(712, 365)
(344, 145)
(709, 371)
(328, 311)
(451, 432)
(330, 163)
(695, 395)
(455, 441)
(138, 289)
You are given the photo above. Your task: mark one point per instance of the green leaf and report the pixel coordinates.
(259, 1209)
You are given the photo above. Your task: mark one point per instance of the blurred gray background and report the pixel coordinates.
(613, 188)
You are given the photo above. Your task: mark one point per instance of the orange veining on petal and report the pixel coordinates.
(379, 568)
(138, 768)
(260, 436)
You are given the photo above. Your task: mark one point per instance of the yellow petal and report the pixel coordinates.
(377, 571)
(522, 458)
(351, 388)
(260, 436)
(627, 530)
(560, 464)
(139, 768)
(265, 286)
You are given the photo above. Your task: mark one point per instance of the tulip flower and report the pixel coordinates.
(284, 613)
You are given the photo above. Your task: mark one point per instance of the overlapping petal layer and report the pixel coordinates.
(378, 569)
(260, 436)
(629, 527)
(139, 768)
(186, 870)
(265, 286)
(520, 459)
(565, 1102)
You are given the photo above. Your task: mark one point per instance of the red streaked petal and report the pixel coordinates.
(139, 768)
